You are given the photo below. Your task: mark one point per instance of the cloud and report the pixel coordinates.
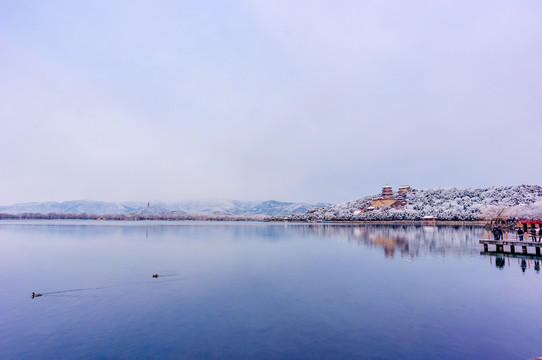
(300, 101)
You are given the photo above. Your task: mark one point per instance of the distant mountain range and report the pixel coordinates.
(522, 201)
(208, 207)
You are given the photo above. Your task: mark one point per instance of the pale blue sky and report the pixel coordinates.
(254, 100)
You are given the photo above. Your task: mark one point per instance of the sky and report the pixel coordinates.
(309, 101)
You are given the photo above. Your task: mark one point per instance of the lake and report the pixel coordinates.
(262, 290)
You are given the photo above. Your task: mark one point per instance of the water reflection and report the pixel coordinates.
(499, 262)
(523, 262)
(407, 241)
(255, 290)
(404, 241)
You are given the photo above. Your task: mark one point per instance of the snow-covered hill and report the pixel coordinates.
(444, 204)
(74, 207)
(209, 207)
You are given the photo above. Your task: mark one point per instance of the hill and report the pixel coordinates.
(445, 204)
(209, 207)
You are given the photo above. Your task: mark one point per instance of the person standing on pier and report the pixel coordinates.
(540, 233)
(520, 234)
(533, 234)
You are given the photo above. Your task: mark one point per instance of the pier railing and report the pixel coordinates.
(512, 244)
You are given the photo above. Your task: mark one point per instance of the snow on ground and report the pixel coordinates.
(523, 201)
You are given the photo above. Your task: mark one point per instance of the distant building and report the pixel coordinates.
(378, 203)
(429, 220)
(387, 191)
(388, 198)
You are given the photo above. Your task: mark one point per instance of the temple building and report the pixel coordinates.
(387, 191)
(388, 198)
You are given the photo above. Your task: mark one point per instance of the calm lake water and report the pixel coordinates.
(257, 290)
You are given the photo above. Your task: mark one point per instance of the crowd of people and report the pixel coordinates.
(498, 234)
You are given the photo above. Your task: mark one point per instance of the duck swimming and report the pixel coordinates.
(155, 276)
(35, 295)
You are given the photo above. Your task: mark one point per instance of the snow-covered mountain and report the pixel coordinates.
(209, 207)
(444, 204)
(74, 207)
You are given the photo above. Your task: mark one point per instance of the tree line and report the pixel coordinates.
(123, 217)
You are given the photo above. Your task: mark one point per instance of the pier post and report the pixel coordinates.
(537, 251)
(524, 249)
(512, 249)
(500, 248)
(486, 248)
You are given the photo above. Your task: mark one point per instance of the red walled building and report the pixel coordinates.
(387, 191)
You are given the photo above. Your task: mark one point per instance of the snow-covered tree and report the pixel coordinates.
(523, 201)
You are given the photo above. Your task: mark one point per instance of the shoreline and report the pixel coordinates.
(396, 222)
(233, 218)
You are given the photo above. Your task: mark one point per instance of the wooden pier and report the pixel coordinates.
(511, 244)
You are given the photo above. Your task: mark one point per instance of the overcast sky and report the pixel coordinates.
(255, 100)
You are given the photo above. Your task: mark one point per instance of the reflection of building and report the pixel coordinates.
(409, 241)
(389, 244)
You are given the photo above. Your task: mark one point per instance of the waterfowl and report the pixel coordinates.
(155, 276)
(35, 295)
